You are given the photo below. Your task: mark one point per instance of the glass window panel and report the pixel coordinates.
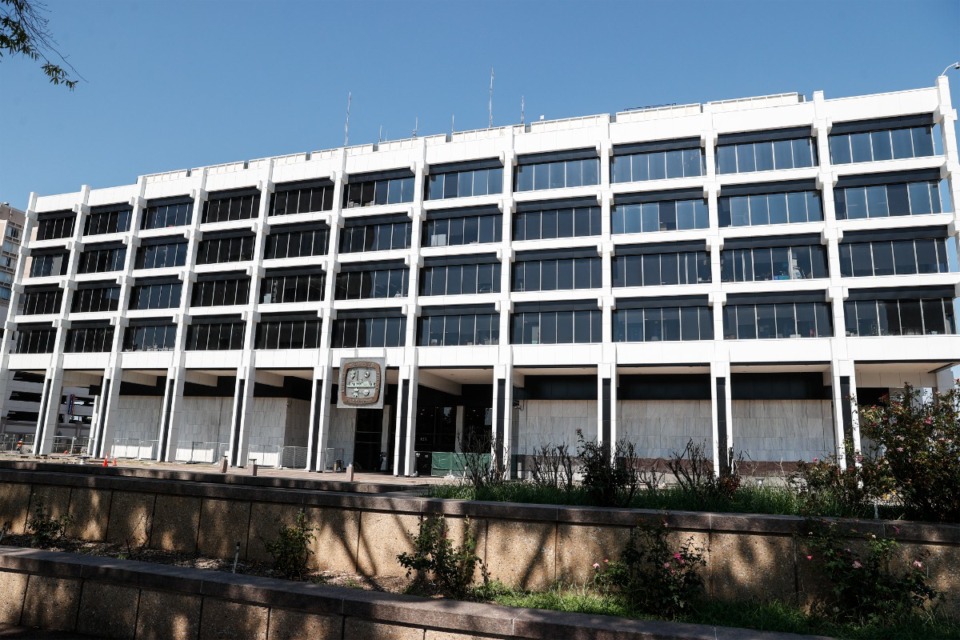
(746, 322)
(777, 203)
(882, 259)
(591, 171)
(926, 249)
(860, 144)
(690, 323)
(806, 319)
(856, 203)
(658, 164)
(740, 210)
(881, 145)
(557, 178)
(669, 265)
(911, 320)
(686, 214)
(877, 202)
(902, 143)
(692, 162)
(565, 274)
(783, 154)
(671, 324)
(620, 169)
(861, 257)
(933, 319)
(766, 321)
(652, 325)
(565, 223)
(745, 158)
(803, 153)
(701, 214)
(764, 154)
(651, 269)
(726, 159)
(549, 224)
(762, 264)
(781, 263)
(675, 164)
(904, 259)
(899, 202)
(867, 321)
(471, 231)
(786, 322)
(759, 210)
(650, 217)
(524, 178)
(574, 173)
(465, 183)
(668, 216)
(548, 275)
(919, 198)
(840, 149)
(796, 206)
(922, 141)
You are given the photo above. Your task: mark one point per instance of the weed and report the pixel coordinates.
(440, 567)
(610, 482)
(291, 548)
(44, 529)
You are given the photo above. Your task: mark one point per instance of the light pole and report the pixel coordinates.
(955, 65)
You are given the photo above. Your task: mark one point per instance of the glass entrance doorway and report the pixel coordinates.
(368, 443)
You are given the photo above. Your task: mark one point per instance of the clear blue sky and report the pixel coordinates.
(174, 84)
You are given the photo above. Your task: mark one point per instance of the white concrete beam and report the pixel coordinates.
(196, 377)
(434, 381)
(267, 378)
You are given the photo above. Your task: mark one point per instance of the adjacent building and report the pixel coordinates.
(740, 272)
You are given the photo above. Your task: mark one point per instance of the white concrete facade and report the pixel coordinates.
(248, 422)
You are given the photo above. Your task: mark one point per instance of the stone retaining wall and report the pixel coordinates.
(122, 599)
(528, 546)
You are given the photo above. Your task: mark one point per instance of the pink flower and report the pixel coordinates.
(857, 565)
(899, 449)
(596, 565)
(677, 556)
(896, 529)
(809, 557)
(606, 561)
(928, 421)
(917, 564)
(816, 459)
(666, 565)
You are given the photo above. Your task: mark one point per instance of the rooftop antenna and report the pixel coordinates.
(416, 126)
(521, 110)
(490, 106)
(452, 127)
(346, 126)
(380, 135)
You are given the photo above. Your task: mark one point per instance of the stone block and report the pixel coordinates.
(131, 516)
(265, 519)
(296, 625)
(751, 567)
(175, 523)
(109, 611)
(355, 629)
(14, 506)
(13, 589)
(51, 603)
(164, 615)
(54, 500)
(223, 523)
(940, 564)
(223, 620)
(447, 635)
(336, 545)
(522, 554)
(90, 511)
(579, 546)
(382, 537)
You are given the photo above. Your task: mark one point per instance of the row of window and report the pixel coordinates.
(560, 274)
(374, 192)
(96, 300)
(99, 222)
(377, 283)
(558, 175)
(772, 208)
(53, 228)
(296, 244)
(41, 302)
(741, 322)
(886, 144)
(156, 296)
(658, 269)
(897, 257)
(233, 207)
(899, 317)
(766, 156)
(375, 237)
(452, 280)
(666, 215)
(102, 260)
(570, 222)
(777, 263)
(302, 200)
(219, 250)
(657, 165)
(463, 184)
(881, 201)
(478, 229)
(285, 289)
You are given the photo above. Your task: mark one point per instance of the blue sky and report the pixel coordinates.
(174, 84)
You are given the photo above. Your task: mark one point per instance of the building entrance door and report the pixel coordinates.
(368, 442)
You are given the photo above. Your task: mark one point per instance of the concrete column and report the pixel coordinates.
(403, 452)
(169, 427)
(846, 417)
(505, 433)
(720, 400)
(49, 411)
(945, 380)
(109, 397)
(319, 417)
(239, 421)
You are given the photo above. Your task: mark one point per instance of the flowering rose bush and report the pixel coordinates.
(920, 439)
(652, 577)
(864, 587)
(826, 488)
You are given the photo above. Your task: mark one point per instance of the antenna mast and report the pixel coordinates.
(346, 126)
(416, 126)
(490, 106)
(521, 110)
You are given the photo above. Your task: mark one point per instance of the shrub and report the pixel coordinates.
(44, 529)
(652, 576)
(863, 588)
(921, 445)
(693, 470)
(552, 467)
(440, 567)
(609, 482)
(291, 548)
(825, 488)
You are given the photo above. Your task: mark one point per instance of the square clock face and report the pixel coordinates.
(360, 383)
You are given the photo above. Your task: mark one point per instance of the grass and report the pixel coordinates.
(747, 499)
(772, 616)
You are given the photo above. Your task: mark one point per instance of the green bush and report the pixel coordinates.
(44, 529)
(921, 444)
(291, 548)
(439, 566)
(652, 576)
(695, 476)
(864, 589)
(610, 482)
(825, 488)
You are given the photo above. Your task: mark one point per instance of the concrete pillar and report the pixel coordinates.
(606, 406)
(319, 417)
(239, 417)
(505, 434)
(846, 417)
(109, 397)
(169, 429)
(49, 411)
(946, 380)
(721, 401)
(405, 439)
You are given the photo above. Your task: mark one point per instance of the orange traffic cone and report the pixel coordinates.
(114, 462)
(105, 464)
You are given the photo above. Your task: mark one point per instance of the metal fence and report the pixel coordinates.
(71, 445)
(293, 457)
(196, 451)
(134, 448)
(332, 459)
(10, 442)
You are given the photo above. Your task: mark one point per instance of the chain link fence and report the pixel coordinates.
(11, 442)
(70, 445)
